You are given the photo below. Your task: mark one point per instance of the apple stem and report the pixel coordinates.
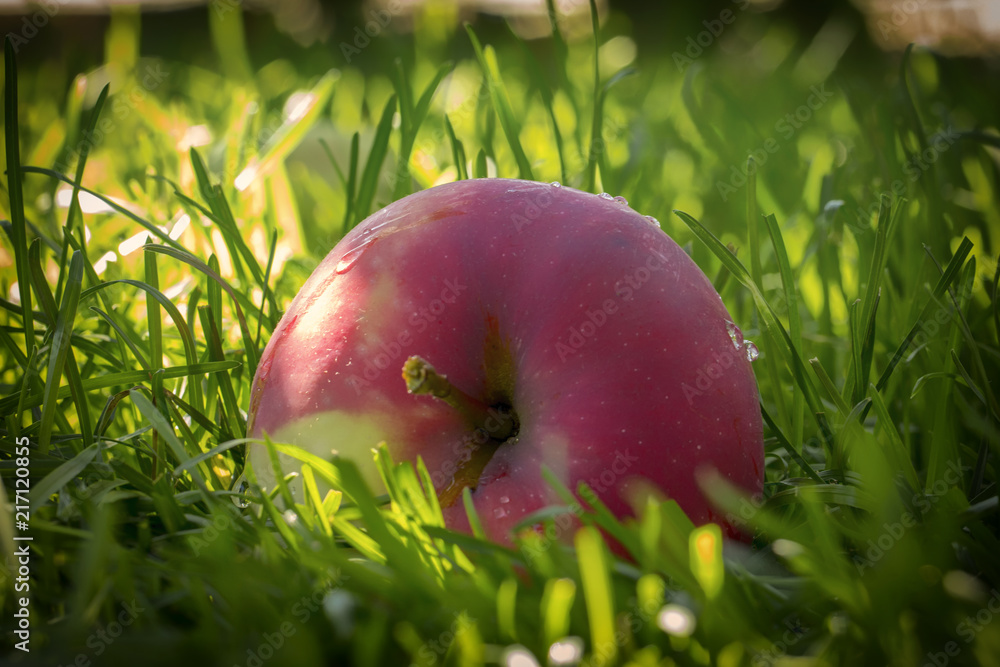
(422, 378)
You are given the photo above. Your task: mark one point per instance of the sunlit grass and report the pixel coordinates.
(856, 249)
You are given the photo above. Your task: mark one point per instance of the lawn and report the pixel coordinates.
(168, 188)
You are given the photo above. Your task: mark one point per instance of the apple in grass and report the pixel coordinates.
(532, 325)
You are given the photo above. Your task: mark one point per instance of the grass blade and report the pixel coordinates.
(148, 226)
(74, 202)
(312, 495)
(376, 156)
(597, 120)
(596, 580)
(556, 606)
(14, 193)
(501, 103)
(214, 344)
(788, 350)
(481, 169)
(458, 152)
(124, 337)
(829, 387)
(787, 446)
(944, 282)
(294, 130)
(61, 476)
(250, 351)
(792, 308)
(60, 349)
(119, 379)
(412, 118)
(162, 425)
(705, 545)
(38, 282)
(153, 323)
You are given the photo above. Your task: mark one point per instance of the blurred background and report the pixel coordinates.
(690, 91)
(687, 92)
(970, 27)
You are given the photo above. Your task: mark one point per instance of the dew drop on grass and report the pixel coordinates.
(241, 486)
(605, 195)
(621, 200)
(752, 351)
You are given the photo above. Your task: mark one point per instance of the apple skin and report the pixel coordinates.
(607, 340)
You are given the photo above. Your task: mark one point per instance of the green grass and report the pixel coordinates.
(874, 309)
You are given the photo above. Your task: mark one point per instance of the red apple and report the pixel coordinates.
(574, 332)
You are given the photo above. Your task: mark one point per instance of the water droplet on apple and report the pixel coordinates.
(377, 227)
(352, 256)
(735, 335)
(621, 200)
(504, 500)
(752, 351)
(556, 184)
(653, 221)
(500, 512)
(605, 195)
